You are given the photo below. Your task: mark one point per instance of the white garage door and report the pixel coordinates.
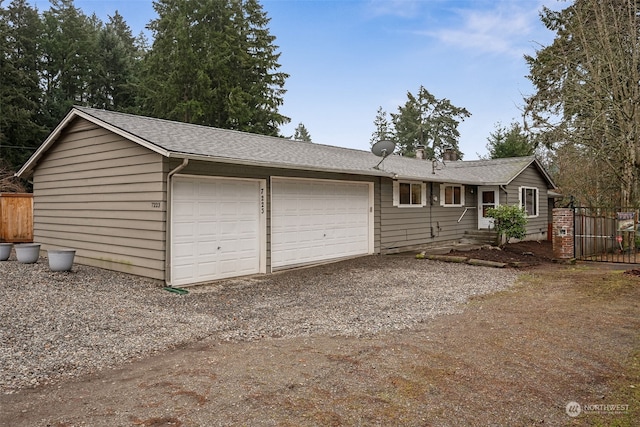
(215, 229)
(313, 220)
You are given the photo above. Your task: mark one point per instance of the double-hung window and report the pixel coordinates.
(529, 200)
(451, 195)
(409, 194)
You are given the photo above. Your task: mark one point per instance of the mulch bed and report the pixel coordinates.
(521, 253)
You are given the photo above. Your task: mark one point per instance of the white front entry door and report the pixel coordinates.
(488, 197)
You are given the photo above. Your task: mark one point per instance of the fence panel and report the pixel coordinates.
(16, 217)
(607, 235)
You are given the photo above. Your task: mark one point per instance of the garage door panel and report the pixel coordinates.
(215, 229)
(315, 221)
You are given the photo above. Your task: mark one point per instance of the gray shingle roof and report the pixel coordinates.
(176, 139)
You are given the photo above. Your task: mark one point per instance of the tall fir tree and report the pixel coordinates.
(113, 84)
(70, 48)
(214, 63)
(20, 96)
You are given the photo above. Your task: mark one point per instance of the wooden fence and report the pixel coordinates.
(16, 217)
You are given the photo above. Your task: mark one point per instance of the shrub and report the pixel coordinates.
(509, 221)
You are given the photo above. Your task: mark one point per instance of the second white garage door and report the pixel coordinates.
(317, 220)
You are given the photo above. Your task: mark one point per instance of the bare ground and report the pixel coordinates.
(517, 357)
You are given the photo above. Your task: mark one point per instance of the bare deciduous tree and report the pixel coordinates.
(588, 92)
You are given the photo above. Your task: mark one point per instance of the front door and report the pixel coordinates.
(487, 198)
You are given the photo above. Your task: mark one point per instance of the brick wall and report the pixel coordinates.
(563, 233)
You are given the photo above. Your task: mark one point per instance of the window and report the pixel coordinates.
(409, 194)
(529, 200)
(451, 195)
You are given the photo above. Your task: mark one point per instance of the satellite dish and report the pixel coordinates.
(383, 148)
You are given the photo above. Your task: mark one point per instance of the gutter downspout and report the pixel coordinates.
(167, 250)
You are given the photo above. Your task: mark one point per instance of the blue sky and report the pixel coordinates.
(347, 58)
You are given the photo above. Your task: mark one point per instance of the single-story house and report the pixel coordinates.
(185, 204)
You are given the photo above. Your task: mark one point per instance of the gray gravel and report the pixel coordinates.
(61, 325)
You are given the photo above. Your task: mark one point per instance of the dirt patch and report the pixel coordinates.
(521, 254)
(518, 357)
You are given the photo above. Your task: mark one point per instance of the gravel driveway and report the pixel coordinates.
(61, 325)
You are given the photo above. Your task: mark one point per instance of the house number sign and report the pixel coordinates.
(155, 204)
(262, 200)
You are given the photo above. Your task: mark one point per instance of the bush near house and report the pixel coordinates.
(509, 221)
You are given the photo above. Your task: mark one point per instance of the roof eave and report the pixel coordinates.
(244, 162)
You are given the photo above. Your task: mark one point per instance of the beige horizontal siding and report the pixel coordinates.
(105, 197)
(413, 227)
(530, 177)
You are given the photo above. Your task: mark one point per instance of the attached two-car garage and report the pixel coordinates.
(219, 225)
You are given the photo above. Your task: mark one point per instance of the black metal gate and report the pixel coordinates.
(607, 235)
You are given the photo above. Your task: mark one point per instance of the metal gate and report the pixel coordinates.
(606, 234)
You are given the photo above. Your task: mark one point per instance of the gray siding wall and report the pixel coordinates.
(103, 196)
(238, 171)
(412, 227)
(530, 177)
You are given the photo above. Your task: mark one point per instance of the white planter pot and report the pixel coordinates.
(28, 253)
(5, 251)
(61, 259)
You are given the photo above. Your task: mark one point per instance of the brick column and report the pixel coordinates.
(563, 233)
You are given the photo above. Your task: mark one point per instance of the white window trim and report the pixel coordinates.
(396, 194)
(442, 198)
(524, 187)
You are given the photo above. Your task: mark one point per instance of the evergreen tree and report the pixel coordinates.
(302, 134)
(384, 129)
(20, 96)
(509, 142)
(113, 82)
(69, 52)
(214, 63)
(428, 121)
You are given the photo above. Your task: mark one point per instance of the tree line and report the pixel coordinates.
(215, 63)
(211, 62)
(583, 117)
